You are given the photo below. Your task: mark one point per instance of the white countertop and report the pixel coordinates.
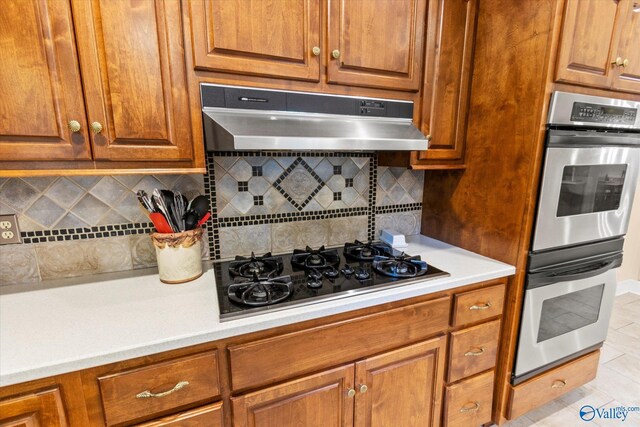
(67, 328)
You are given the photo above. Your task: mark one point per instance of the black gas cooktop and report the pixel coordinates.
(259, 283)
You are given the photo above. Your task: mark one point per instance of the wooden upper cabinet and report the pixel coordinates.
(401, 387)
(376, 43)
(320, 400)
(133, 69)
(257, 37)
(628, 76)
(40, 88)
(448, 81)
(43, 408)
(598, 36)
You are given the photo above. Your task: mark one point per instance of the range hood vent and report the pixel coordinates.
(247, 119)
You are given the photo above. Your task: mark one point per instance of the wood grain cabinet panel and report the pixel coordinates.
(329, 345)
(43, 408)
(589, 42)
(205, 416)
(378, 43)
(552, 384)
(167, 386)
(320, 400)
(403, 387)
(628, 77)
(473, 350)
(448, 82)
(257, 37)
(468, 403)
(133, 69)
(40, 84)
(481, 304)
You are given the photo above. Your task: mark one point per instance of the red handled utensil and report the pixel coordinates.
(160, 222)
(204, 219)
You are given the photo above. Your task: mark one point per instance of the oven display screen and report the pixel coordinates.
(569, 312)
(605, 114)
(590, 189)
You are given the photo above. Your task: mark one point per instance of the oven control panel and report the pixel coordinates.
(606, 114)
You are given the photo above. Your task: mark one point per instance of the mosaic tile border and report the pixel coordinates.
(408, 207)
(210, 154)
(83, 233)
(289, 217)
(373, 182)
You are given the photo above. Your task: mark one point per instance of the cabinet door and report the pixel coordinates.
(133, 69)
(448, 81)
(628, 77)
(589, 41)
(257, 37)
(376, 43)
(40, 89)
(402, 387)
(38, 409)
(319, 400)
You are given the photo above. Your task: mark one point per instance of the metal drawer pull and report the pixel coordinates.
(480, 307)
(147, 393)
(474, 408)
(475, 353)
(559, 383)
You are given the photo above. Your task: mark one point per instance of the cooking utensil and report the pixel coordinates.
(160, 222)
(159, 203)
(200, 205)
(179, 211)
(190, 220)
(204, 219)
(145, 200)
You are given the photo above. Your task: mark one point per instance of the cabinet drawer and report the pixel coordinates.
(478, 305)
(168, 385)
(546, 387)
(468, 403)
(205, 416)
(473, 350)
(336, 343)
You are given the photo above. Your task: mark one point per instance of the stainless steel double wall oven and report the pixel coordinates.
(589, 177)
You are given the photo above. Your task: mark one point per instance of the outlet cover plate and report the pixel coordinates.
(9, 231)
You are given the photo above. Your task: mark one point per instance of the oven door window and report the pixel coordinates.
(570, 312)
(589, 189)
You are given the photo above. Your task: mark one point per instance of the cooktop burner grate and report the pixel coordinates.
(359, 251)
(317, 259)
(262, 266)
(260, 292)
(402, 266)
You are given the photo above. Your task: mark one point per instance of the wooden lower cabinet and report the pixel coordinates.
(43, 408)
(206, 416)
(468, 403)
(552, 384)
(400, 387)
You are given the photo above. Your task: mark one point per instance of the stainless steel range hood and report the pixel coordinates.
(257, 119)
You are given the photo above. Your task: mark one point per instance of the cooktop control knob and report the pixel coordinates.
(347, 270)
(362, 274)
(314, 283)
(331, 273)
(314, 274)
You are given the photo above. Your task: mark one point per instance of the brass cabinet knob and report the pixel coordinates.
(363, 388)
(473, 408)
(351, 392)
(74, 126)
(336, 54)
(625, 62)
(315, 50)
(618, 62)
(96, 127)
(428, 138)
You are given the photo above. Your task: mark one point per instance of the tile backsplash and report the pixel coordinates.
(261, 202)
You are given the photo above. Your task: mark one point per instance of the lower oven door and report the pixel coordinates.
(587, 188)
(564, 313)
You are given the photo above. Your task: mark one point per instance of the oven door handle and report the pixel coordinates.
(548, 278)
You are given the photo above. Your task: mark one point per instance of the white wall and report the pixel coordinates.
(630, 268)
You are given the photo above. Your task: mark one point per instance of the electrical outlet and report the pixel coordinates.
(9, 231)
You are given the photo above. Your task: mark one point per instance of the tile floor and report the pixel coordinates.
(617, 383)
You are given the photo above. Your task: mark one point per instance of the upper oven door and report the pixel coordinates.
(588, 183)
